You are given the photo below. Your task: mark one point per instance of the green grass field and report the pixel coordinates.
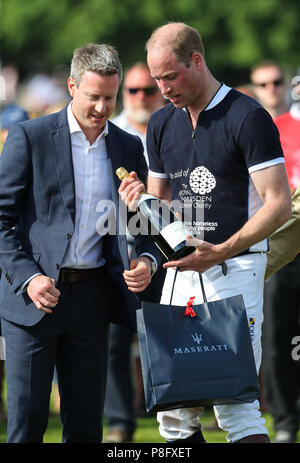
(146, 432)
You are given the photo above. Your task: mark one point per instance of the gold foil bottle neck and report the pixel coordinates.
(122, 173)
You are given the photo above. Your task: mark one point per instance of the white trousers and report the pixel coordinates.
(245, 275)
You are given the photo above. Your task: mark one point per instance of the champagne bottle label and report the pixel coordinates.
(175, 233)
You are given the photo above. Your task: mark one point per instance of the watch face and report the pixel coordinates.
(152, 264)
(153, 267)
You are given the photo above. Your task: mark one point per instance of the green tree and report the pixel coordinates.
(42, 33)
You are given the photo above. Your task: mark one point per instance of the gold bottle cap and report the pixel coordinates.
(122, 173)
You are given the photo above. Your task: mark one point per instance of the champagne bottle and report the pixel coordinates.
(158, 220)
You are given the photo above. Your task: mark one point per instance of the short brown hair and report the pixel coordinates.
(183, 41)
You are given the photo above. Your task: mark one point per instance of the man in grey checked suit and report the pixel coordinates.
(62, 276)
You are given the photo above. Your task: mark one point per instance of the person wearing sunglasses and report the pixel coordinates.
(269, 87)
(281, 375)
(141, 98)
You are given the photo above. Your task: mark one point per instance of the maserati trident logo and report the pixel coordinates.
(197, 337)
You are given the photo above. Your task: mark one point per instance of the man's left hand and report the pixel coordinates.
(139, 275)
(205, 256)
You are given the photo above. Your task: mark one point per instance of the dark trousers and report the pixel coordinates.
(280, 373)
(75, 338)
(119, 409)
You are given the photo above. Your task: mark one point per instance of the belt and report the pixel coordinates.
(72, 275)
(243, 253)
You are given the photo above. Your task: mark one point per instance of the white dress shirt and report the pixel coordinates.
(92, 185)
(122, 121)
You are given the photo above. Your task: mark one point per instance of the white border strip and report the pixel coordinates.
(264, 165)
(157, 174)
(220, 95)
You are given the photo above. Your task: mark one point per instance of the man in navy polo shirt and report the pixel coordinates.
(216, 150)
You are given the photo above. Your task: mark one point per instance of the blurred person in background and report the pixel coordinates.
(269, 87)
(141, 98)
(10, 115)
(281, 373)
(124, 393)
(284, 243)
(10, 75)
(246, 89)
(42, 92)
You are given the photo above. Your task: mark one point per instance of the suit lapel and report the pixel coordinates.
(114, 152)
(61, 143)
(114, 157)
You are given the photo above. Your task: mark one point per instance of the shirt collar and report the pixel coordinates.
(75, 127)
(217, 98)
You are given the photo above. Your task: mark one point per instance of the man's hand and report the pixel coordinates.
(42, 291)
(205, 256)
(130, 190)
(139, 275)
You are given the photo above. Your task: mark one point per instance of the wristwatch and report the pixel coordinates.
(153, 263)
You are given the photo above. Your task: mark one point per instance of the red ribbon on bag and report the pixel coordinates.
(189, 311)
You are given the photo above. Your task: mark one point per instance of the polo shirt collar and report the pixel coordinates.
(217, 98)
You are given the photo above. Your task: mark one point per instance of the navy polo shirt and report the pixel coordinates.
(208, 169)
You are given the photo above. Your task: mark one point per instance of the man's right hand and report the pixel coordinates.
(42, 291)
(130, 190)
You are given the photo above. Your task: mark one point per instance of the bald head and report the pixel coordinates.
(182, 39)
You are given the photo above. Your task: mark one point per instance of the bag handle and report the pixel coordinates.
(224, 270)
(173, 285)
(202, 288)
(201, 284)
